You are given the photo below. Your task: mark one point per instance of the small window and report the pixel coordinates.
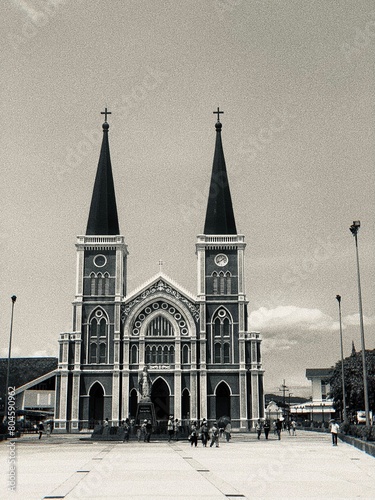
(102, 353)
(217, 352)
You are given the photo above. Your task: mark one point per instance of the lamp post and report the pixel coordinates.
(354, 230)
(338, 298)
(13, 299)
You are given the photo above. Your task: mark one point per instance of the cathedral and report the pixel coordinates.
(202, 360)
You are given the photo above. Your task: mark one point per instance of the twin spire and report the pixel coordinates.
(103, 219)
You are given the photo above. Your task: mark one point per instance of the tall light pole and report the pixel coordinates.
(354, 230)
(338, 298)
(13, 299)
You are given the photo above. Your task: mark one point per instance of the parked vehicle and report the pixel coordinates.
(361, 417)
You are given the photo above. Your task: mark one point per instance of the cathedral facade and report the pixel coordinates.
(201, 359)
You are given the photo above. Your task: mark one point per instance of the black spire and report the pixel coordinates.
(103, 218)
(219, 215)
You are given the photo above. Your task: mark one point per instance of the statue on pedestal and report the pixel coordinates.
(145, 384)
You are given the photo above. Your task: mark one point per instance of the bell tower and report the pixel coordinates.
(90, 355)
(223, 305)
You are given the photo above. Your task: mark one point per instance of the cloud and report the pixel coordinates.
(292, 318)
(353, 320)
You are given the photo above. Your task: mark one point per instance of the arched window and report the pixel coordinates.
(106, 284)
(102, 353)
(153, 355)
(160, 355)
(214, 283)
(222, 283)
(148, 355)
(217, 327)
(221, 333)
(134, 354)
(102, 327)
(171, 355)
(100, 284)
(165, 355)
(229, 282)
(92, 283)
(185, 355)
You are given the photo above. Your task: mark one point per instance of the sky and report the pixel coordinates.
(295, 80)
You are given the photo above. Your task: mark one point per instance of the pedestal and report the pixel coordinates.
(145, 411)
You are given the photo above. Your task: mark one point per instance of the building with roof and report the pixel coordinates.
(34, 383)
(202, 360)
(320, 408)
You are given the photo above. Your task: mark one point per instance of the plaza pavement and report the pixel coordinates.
(302, 466)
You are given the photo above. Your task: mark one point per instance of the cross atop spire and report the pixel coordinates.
(105, 112)
(161, 262)
(218, 113)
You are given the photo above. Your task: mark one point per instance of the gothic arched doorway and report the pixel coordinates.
(96, 404)
(133, 403)
(222, 400)
(160, 398)
(185, 404)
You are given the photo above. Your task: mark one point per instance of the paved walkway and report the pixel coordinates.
(304, 466)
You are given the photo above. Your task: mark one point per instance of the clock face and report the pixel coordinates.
(100, 260)
(221, 260)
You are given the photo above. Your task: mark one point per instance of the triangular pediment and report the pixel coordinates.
(160, 283)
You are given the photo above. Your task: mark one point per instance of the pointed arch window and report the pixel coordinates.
(171, 355)
(185, 355)
(165, 355)
(222, 283)
(100, 284)
(134, 355)
(148, 354)
(92, 283)
(222, 329)
(106, 284)
(98, 329)
(228, 278)
(214, 283)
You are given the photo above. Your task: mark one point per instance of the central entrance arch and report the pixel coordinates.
(222, 400)
(96, 404)
(160, 398)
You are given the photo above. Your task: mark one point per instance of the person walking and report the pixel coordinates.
(176, 429)
(40, 429)
(48, 430)
(334, 430)
(214, 435)
(258, 428)
(279, 426)
(294, 426)
(266, 428)
(227, 432)
(204, 432)
(193, 434)
(170, 428)
(148, 431)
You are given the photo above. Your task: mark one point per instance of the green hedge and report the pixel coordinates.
(365, 432)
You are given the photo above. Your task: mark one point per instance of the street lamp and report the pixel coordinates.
(354, 230)
(338, 298)
(13, 299)
(290, 394)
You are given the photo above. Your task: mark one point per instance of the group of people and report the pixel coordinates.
(173, 428)
(203, 433)
(278, 426)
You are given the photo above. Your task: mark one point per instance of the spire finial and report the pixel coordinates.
(218, 113)
(105, 113)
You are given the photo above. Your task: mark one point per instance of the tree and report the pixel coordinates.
(353, 373)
